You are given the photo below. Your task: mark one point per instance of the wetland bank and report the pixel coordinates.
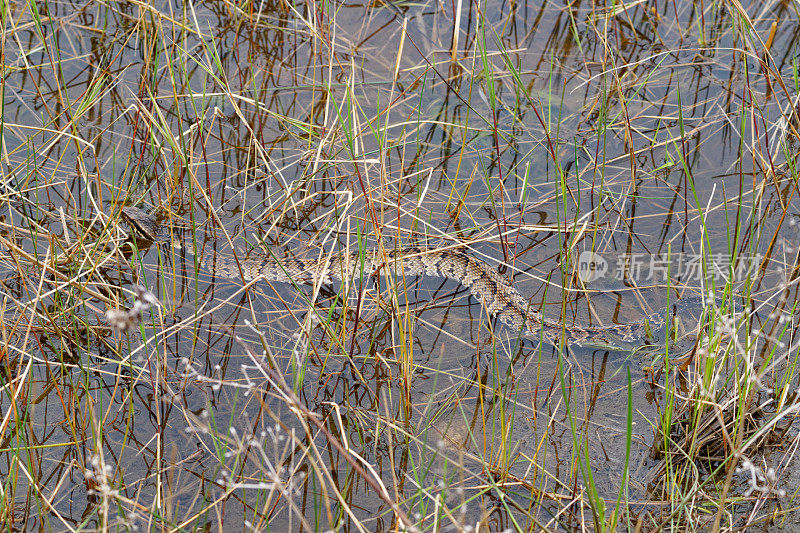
(612, 162)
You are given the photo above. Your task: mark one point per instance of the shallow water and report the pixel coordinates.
(646, 142)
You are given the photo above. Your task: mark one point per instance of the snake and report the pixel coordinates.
(494, 291)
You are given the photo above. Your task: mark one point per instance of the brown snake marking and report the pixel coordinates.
(490, 288)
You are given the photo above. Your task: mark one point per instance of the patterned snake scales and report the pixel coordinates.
(490, 288)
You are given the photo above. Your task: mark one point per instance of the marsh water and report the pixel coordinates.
(610, 161)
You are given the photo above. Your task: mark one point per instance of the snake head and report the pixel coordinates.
(146, 226)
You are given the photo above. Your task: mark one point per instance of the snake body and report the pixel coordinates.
(493, 290)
